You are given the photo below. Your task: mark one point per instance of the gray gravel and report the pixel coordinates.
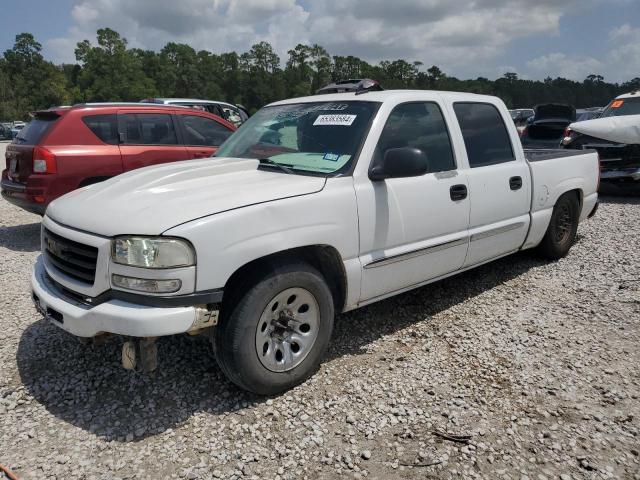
(537, 362)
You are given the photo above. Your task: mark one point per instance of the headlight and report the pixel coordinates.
(152, 252)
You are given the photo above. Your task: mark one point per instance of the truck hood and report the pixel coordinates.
(623, 129)
(151, 200)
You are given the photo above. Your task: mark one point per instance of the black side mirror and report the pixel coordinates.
(399, 163)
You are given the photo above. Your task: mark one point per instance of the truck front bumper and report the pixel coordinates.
(113, 316)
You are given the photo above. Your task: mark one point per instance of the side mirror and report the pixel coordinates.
(400, 163)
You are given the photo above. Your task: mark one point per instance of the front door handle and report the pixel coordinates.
(458, 192)
(515, 183)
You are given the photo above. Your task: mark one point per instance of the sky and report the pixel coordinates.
(466, 39)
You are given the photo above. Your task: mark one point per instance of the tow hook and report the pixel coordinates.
(143, 351)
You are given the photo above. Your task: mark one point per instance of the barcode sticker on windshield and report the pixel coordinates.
(345, 120)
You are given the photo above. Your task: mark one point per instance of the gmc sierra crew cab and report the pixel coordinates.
(316, 206)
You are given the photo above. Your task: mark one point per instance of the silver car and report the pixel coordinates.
(235, 114)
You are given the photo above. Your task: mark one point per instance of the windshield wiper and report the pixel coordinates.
(268, 161)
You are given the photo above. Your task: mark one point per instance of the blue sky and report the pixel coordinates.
(535, 38)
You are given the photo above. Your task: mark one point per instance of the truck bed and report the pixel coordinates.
(534, 155)
(569, 171)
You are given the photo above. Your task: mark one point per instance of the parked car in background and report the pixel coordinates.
(65, 148)
(620, 162)
(315, 206)
(520, 116)
(546, 127)
(352, 85)
(5, 131)
(583, 114)
(16, 127)
(235, 114)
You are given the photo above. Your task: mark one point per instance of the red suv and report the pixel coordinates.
(65, 148)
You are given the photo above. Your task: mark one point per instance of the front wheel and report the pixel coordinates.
(275, 336)
(562, 229)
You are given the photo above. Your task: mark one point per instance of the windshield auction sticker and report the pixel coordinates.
(344, 120)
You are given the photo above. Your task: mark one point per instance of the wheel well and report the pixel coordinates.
(579, 196)
(324, 258)
(92, 180)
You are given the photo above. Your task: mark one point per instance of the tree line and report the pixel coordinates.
(108, 70)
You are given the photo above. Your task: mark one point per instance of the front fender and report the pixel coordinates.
(227, 241)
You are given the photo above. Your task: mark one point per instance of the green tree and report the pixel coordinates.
(28, 81)
(261, 77)
(110, 72)
(348, 67)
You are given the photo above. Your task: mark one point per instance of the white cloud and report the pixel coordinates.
(454, 35)
(215, 25)
(624, 56)
(463, 37)
(620, 63)
(568, 66)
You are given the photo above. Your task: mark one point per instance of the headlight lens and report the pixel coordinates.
(152, 252)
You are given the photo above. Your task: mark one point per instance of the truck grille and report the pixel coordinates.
(74, 259)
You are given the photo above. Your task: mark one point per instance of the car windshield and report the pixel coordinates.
(621, 107)
(318, 137)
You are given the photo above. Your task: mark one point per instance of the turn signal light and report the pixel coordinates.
(146, 284)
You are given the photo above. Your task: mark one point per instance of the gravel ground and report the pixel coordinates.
(537, 362)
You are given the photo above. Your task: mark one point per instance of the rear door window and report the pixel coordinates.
(105, 127)
(203, 131)
(485, 135)
(33, 131)
(148, 129)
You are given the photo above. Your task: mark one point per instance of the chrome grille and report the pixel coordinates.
(73, 259)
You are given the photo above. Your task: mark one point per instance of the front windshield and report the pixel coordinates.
(318, 137)
(621, 107)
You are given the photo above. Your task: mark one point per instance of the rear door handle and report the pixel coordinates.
(515, 183)
(458, 192)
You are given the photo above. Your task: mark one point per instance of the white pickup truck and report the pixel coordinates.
(316, 205)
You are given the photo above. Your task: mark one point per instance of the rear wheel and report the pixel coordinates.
(274, 337)
(561, 233)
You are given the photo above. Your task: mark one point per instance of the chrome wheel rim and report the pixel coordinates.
(287, 329)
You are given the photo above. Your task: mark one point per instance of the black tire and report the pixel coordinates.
(235, 335)
(561, 232)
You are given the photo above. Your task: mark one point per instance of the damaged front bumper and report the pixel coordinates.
(115, 315)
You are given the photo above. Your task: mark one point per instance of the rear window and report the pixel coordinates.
(105, 127)
(485, 135)
(33, 131)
